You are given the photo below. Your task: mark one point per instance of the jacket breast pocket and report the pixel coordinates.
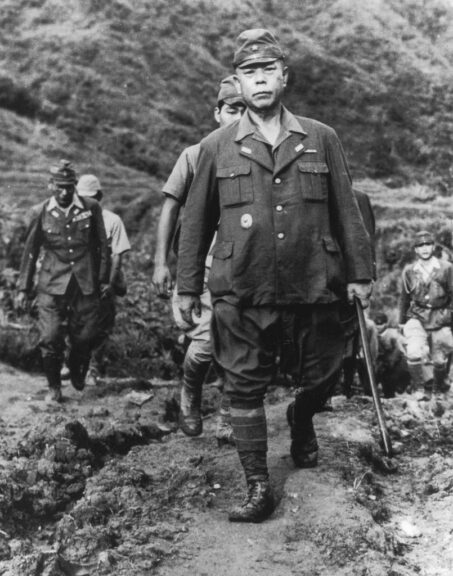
(314, 180)
(220, 279)
(235, 185)
(83, 227)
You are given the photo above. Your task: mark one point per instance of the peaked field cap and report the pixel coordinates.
(63, 174)
(88, 185)
(257, 45)
(422, 237)
(230, 91)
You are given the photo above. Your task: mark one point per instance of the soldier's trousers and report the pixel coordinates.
(74, 314)
(246, 341)
(105, 326)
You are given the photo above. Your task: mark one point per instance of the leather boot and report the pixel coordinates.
(52, 367)
(416, 374)
(304, 446)
(441, 384)
(78, 367)
(258, 504)
(190, 420)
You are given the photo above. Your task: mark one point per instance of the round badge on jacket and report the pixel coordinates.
(246, 221)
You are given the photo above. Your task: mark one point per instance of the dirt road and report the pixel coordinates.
(104, 486)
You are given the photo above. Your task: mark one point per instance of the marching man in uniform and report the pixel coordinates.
(291, 244)
(73, 275)
(425, 316)
(118, 243)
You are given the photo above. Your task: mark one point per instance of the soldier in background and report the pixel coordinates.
(425, 317)
(73, 275)
(89, 186)
(198, 358)
(391, 370)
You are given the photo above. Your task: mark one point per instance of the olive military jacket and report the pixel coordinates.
(289, 227)
(73, 245)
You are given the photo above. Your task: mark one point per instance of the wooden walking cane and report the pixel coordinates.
(374, 391)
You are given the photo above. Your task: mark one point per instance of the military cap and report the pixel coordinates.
(422, 237)
(230, 91)
(88, 185)
(63, 174)
(257, 45)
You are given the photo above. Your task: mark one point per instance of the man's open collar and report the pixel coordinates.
(435, 265)
(288, 121)
(75, 202)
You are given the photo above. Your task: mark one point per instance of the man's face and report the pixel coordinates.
(425, 250)
(63, 194)
(262, 84)
(228, 113)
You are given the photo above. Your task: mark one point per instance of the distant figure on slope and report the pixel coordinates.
(89, 186)
(198, 358)
(425, 315)
(391, 370)
(73, 276)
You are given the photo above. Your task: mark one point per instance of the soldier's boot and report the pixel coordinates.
(190, 420)
(52, 367)
(418, 384)
(259, 501)
(441, 384)
(224, 429)
(78, 368)
(304, 445)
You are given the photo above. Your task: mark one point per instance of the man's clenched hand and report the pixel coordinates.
(189, 304)
(360, 289)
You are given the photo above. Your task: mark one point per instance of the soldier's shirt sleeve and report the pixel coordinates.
(116, 233)
(346, 217)
(199, 223)
(405, 299)
(101, 243)
(33, 243)
(180, 179)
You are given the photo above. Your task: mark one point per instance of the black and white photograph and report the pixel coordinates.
(226, 288)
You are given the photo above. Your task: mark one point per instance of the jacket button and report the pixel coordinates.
(278, 181)
(72, 263)
(279, 208)
(71, 250)
(280, 235)
(69, 238)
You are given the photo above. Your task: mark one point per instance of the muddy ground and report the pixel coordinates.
(106, 485)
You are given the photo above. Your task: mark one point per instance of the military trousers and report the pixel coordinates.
(105, 326)
(427, 346)
(246, 343)
(72, 314)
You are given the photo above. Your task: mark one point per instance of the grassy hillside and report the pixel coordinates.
(126, 84)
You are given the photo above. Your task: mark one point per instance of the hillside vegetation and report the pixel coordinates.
(126, 84)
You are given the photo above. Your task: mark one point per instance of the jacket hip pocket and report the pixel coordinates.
(220, 279)
(335, 277)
